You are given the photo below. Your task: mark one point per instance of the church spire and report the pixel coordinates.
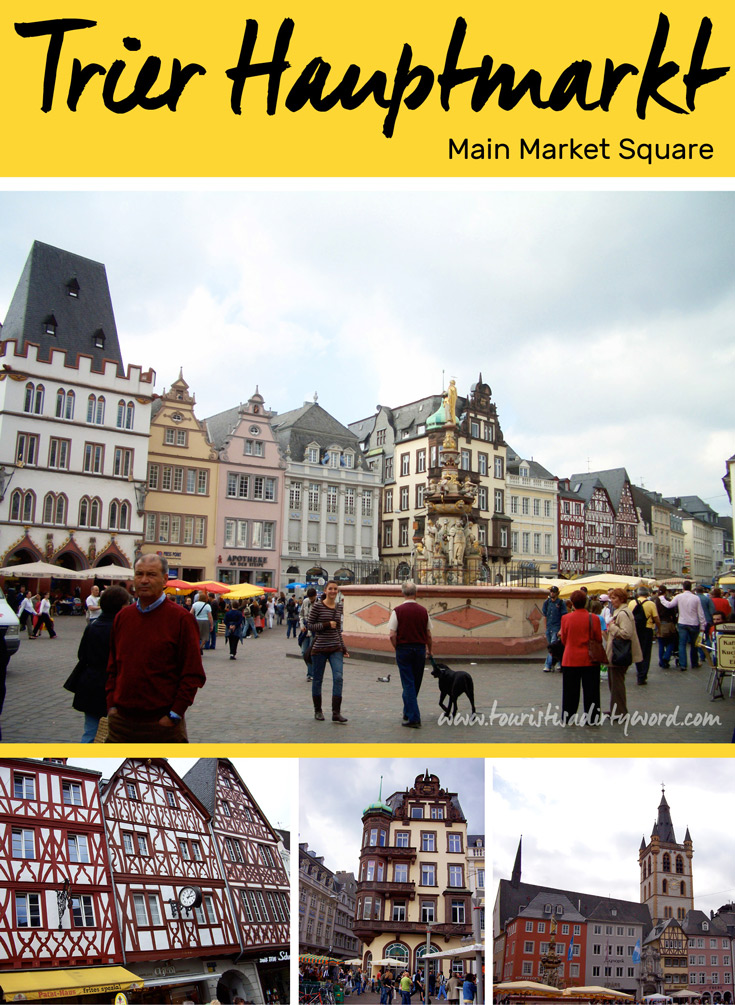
(664, 826)
(515, 879)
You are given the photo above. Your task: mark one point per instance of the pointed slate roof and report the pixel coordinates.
(202, 780)
(514, 461)
(613, 481)
(664, 827)
(516, 875)
(43, 293)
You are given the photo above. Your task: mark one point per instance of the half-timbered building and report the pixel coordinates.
(59, 936)
(248, 848)
(176, 917)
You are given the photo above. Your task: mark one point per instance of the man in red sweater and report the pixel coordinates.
(155, 666)
(410, 636)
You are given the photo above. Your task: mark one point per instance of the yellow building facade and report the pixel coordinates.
(181, 499)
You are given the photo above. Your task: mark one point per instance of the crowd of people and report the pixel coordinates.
(393, 985)
(592, 637)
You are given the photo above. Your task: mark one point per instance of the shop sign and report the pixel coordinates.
(253, 561)
(121, 999)
(169, 554)
(283, 957)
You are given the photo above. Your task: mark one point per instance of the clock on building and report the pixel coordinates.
(190, 897)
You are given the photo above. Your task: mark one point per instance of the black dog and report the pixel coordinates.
(453, 683)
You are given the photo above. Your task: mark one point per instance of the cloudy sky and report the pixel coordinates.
(334, 793)
(582, 822)
(271, 782)
(603, 321)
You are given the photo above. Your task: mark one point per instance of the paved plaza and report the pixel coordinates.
(263, 697)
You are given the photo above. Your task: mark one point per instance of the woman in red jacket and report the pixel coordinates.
(577, 629)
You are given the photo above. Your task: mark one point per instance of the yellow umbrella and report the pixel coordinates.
(602, 583)
(726, 581)
(596, 992)
(527, 988)
(244, 590)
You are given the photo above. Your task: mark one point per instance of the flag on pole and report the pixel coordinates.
(637, 952)
(571, 949)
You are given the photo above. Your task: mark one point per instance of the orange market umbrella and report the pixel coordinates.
(211, 587)
(177, 586)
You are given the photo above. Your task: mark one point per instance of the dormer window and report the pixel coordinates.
(547, 908)
(99, 339)
(72, 288)
(559, 909)
(50, 325)
(705, 926)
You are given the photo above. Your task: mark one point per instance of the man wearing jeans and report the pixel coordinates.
(691, 621)
(553, 610)
(410, 636)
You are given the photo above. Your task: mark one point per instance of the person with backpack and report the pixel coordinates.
(646, 617)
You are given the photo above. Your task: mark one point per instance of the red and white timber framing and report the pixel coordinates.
(159, 842)
(52, 831)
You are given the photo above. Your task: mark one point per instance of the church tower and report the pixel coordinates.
(666, 869)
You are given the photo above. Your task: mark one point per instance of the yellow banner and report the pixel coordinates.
(474, 89)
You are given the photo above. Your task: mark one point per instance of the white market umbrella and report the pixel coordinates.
(39, 570)
(109, 571)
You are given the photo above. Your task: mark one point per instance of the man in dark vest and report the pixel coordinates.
(410, 636)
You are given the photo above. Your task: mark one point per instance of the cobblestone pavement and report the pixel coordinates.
(263, 697)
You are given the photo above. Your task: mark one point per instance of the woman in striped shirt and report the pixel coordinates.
(325, 624)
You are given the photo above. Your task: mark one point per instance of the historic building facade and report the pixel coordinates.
(177, 925)
(247, 847)
(331, 498)
(406, 455)
(181, 500)
(249, 523)
(73, 422)
(57, 905)
(413, 875)
(532, 497)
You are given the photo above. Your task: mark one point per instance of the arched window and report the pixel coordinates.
(60, 403)
(16, 501)
(96, 409)
(666, 862)
(129, 415)
(680, 865)
(70, 399)
(94, 513)
(113, 515)
(421, 952)
(120, 414)
(125, 516)
(49, 505)
(29, 505)
(683, 888)
(34, 398)
(60, 515)
(84, 512)
(665, 887)
(398, 952)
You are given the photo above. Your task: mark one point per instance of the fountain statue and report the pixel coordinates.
(449, 552)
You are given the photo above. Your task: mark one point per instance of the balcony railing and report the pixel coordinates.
(389, 851)
(381, 886)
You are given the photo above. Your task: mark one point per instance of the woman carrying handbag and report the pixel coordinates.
(623, 648)
(582, 637)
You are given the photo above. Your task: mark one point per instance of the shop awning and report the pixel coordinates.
(159, 982)
(45, 984)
